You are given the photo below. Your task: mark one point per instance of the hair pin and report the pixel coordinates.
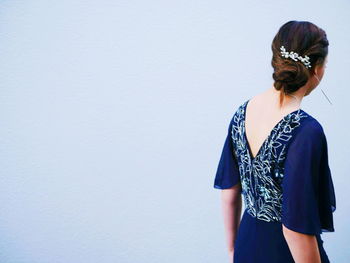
(295, 56)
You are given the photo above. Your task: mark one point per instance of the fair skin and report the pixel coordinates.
(232, 208)
(263, 112)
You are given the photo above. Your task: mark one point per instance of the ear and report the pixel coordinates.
(315, 70)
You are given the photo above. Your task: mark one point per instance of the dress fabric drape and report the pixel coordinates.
(288, 183)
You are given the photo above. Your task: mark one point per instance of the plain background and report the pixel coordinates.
(113, 117)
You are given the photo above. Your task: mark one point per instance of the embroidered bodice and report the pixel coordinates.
(261, 176)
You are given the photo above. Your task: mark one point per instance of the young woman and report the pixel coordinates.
(275, 155)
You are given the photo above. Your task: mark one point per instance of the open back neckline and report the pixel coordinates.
(253, 158)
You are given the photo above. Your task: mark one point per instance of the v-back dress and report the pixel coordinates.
(288, 182)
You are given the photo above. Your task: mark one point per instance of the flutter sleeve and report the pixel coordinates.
(227, 173)
(308, 197)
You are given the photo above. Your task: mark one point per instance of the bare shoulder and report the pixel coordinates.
(258, 100)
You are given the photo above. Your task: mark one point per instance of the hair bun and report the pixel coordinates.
(304, 39)
(290, 76)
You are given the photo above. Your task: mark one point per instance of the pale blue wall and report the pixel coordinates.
(113, 115)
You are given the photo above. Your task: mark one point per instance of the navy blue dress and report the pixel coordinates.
(288, 182)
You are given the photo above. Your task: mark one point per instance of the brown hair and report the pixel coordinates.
(304, 38)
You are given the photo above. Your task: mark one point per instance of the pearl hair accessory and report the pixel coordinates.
(295, 57)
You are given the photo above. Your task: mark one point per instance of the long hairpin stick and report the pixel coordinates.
(326, 97)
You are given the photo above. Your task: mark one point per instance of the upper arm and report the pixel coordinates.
(308, 195)
(300, 195)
